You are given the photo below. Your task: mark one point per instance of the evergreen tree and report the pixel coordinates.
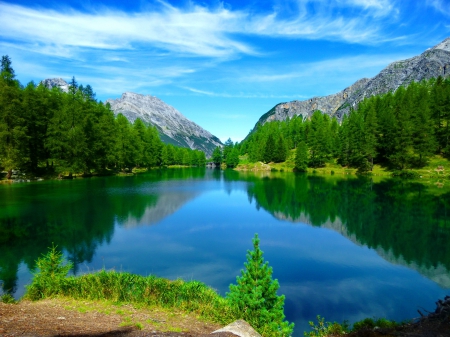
(280, 152)
(7, 71)
(228, 146)
(217, 156)
(370, 139)
(232, 159)
(423, 131)
(319, 141)
(301, 157)
(269, 150)
(255, 296)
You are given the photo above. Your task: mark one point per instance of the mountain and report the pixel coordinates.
(173, 127)
(56, 82)
(432, 63)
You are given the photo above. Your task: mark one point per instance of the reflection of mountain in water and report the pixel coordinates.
(167, 204)
(404, 222)
(439, 273)
(78, 216)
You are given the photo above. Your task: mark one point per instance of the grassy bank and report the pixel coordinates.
(438, 168)
(176, 305)
(120, 287)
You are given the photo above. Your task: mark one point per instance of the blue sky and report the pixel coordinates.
(221, 64)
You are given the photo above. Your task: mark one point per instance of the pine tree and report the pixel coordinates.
(301, 157)
(255, 296)
(280, 153)
(217, 156)
(232, 159)
(269, 149)
(7, 71)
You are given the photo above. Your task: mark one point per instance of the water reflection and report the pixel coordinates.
(80, 215)
(406, 223)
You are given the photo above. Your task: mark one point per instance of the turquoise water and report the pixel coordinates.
(342, 248)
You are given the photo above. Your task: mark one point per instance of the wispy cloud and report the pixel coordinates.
(440, 5)
(194, 30)
(235, 95)
(327, 68)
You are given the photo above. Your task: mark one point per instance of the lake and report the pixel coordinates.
(345, 248)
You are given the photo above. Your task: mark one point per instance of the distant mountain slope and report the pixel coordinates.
(432, 63)
(173, 127)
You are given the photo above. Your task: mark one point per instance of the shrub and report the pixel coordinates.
(51, 276)
(323, 329)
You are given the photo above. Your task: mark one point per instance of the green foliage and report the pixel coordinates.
(217, 156)
(369, 323)
(269, 152)
(8, 299)
(191, 296)
(399, 130)
(255, 296)
(325, 329)
(51, 277)
(301, 157)
(73, 133)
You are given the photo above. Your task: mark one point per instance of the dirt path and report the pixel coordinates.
(66, 317)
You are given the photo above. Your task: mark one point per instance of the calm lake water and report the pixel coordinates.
(342, 248)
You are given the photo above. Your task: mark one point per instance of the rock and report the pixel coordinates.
(432, 63)
(240, 328)
(172, 126)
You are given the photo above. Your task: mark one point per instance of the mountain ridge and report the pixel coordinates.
(173, 127)
(432, 63)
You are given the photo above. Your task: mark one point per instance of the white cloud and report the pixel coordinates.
(327, 68)
(440, 5)
(236, 95)
(196, 30)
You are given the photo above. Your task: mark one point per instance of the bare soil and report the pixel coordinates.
(66, 317)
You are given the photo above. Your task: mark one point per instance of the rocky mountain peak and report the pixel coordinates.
(56, 82)
(173, 127)
(432, 63)
(444, 45)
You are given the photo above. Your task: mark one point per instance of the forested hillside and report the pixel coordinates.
(66, 133)
(400, 130)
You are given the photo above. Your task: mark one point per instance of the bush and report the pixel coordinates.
(7, 298)
(51, 276)
(370, 324)
(323, 329)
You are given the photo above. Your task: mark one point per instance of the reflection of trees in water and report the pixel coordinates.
(402, 220)
(77, 216)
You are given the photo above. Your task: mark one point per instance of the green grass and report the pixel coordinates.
(436, 171)
(120, 287)
(192, 296)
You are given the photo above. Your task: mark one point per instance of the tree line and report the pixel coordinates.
(400, 130)
(74, 133)
(229, 155)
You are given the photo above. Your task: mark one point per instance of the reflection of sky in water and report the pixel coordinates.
(201, 229)
(320, 271)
